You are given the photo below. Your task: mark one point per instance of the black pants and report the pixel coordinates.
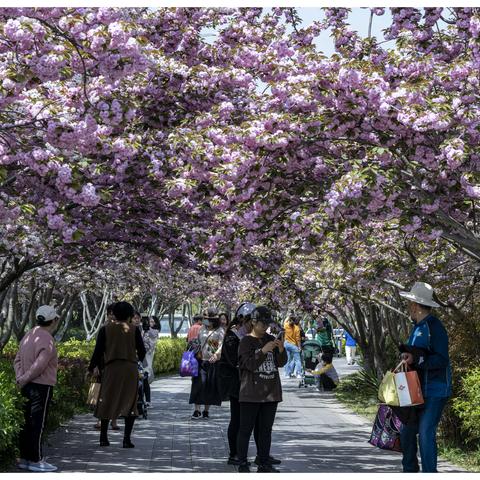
(250, 414)
(35, 410)
(234, 427)
(325, 381)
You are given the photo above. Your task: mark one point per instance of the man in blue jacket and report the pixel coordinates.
(427, 352)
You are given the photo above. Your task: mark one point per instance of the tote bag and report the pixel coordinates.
(93, 393)
(189, 364)
(408, 387)
(386, 430)
(387, 391)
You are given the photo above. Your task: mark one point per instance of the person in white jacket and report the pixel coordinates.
(151, 329)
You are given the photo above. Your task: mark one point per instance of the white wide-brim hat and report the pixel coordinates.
(421, 293)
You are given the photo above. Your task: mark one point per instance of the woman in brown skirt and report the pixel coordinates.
(121, 345)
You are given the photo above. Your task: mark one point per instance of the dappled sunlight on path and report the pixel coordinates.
(312, 433)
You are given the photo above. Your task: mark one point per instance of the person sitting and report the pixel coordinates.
(326, 377)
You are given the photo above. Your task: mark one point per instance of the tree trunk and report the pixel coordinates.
(60, 333)
(171, 323)
(7, 315)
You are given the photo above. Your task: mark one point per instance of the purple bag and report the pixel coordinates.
(386, 430)
(188, 365)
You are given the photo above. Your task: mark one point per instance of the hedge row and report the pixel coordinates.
(467, 407)
(70, 392)
(168, 354)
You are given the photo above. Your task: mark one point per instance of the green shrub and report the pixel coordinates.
(76, 333)
(467, 406)
(11, 415)
(10, 349)
(168, 354)
(70, 393)
(74, 348)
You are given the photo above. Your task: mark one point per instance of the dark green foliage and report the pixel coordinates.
(70, 393)
(11, 416)
(168, 354)
(467, 407)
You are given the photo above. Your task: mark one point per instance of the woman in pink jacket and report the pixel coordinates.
(36, 373)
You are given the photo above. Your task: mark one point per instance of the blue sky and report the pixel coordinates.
(358, 20)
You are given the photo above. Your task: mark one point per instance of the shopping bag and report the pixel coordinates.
(408, 387)
(188, 365)
(387, 391)
(386, 430)
(93, 393)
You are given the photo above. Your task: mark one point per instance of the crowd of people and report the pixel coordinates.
(239, 362)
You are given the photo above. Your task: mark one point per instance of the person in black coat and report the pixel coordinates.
(229, 377)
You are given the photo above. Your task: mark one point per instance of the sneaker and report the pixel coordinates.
(267, 469)
(243, 468)
(205, 414)
(41, 466)
(23, 464)
(271, 461)
(197, 414)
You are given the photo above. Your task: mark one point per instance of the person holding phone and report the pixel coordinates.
(260, 355)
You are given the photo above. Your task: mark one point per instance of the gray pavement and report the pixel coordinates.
(312, 433)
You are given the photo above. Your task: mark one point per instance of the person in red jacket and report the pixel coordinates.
(195, 328)
(36, 366)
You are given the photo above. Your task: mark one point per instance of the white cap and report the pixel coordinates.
(421, 293)
(47, 312)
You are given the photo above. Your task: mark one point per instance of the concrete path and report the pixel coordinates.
(312, 433)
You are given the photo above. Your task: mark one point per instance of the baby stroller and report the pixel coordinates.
(141, 403)
(311, 350)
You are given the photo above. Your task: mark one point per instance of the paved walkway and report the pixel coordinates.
(312, 433)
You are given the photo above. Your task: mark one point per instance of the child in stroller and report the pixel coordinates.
(310, 358)
(141, 403)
